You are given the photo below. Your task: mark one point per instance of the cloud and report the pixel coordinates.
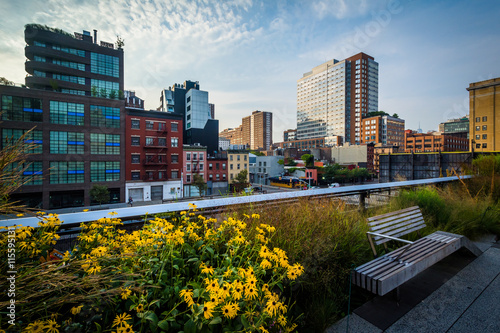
(340, 9)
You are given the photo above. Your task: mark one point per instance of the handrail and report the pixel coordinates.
(137, 212)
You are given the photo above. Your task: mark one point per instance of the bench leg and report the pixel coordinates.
(397, 295)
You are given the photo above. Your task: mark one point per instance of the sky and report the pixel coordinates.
(249, 54)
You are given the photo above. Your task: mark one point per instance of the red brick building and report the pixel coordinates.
(431, 142)
(154, 158)
(217, 174)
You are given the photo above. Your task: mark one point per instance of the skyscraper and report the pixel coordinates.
(255, 131)
(333, 97)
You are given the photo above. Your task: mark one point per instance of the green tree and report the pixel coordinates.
(99, 193)
(308, 160)
(241, 177)
(94, 91)
(199, 183)
(376, 113)
(113, 94)
(395, 115)
(6, 82)
(281, 162)
(103, 93)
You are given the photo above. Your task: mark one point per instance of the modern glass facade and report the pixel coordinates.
(66, 113)
(21, 109)
(108, 144)
(66, 142)
(34, 138)
(104, 171)
(65, 172)
(104, 116)
(104, 64)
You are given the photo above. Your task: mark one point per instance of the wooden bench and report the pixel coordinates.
(388, 272)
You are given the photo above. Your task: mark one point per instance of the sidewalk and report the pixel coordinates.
(468, 301)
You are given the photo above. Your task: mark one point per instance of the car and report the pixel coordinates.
(333, 185)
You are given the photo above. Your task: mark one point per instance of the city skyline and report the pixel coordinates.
(249, 54)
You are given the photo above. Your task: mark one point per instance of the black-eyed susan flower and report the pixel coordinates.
(230, 310)
(36, 327)
(51, 326)
(76, 309)
(208, 308)
(251, 293)
(212, 285)
(266, 264)
(139, 308)
(126, 328)
(187, 294)
(121, 319)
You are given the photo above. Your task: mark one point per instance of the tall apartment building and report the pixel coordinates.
(333, 98)
(255, 131)
(154, 155)
(386, 130)
(290, 135)
(484, 109)
(192, 103)
(74, 102)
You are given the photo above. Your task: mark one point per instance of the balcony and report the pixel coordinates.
(154, 145)
(153, 177)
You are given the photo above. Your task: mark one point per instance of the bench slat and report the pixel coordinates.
(392, 213)
(405, 232)
(389, 230)
(394, 219)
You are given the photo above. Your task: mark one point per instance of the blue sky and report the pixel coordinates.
(249, 54)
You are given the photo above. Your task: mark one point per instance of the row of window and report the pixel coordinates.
(153, 175)
(154, 159)
(478, 119)
(484, 127)
(196, 156)
(210, 177)
(237, 166)
(154, 141)
(65, 172)
(65, 142)
(104, 64)
(30, 110)
(69, 50)
(238, 157)
(136, 124)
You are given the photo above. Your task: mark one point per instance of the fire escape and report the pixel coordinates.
(156, 154)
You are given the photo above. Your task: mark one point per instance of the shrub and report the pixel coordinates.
(188, 273)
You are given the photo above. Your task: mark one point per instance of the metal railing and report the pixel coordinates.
(360, 194)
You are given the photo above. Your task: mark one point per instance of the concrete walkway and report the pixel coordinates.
(466, 302)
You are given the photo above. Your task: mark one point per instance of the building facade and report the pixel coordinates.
(217, 183)
(484, 109)
(255, 131)
(457, 127)
(433, 142)
(154, 155)
(195, 159)
(333, 97)
(237, 161)
(385, 130)
(301, 144)
(75, 106)
(265, 167)
(290, 135)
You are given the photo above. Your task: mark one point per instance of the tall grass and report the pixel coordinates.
(329, 241)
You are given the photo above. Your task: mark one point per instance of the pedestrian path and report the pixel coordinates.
(466, 302)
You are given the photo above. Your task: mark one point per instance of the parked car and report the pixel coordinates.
(333, 185)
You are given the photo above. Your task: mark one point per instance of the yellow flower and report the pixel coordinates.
(263, 330)
(76, 309)
(212, 285)
(113, 213)
(230, 310)
(255, 216)
(36, 327)
(20, 215)
(51, 326)
(192, 206)
(183, 212)
(126, 292)
(265, 264)
(85, 210)
(251, 293)
(295, 271)
(207, 310)
(121, 319)
(126, 328)
(187, 294)
(282, 321)
(225, 291)
(207, 270)
(139, 308)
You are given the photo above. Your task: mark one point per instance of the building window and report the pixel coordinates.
(136, 175)
(34, 139)
(223, 166)
(174, 142)
(105, 116)
(244, 157)
(231, 176)
(136, 124)
(188, 178)
(484, 145)
(216, 166)
(104, 171)
(162, 142)
(174, 127)
(80, 53)
(105, 89)
(135, 141)
(217, 176)
(230, 167)
(478, 128)
(104, 64)
(149, 125)
(66, 113)
(188, 156)
(210, 166)
(478, 145)
(478, 136)
(195, 156)
(478, 119)
(150, 175)
(238, 157)
(161, 174)
(224, 176)
(201, 156)
(66, 142)
(105, 144)
(136, 159)
(485, 118)
(149, 141)
(32, 172)
(175, 158)
(188, 167)
(201, 166)
(66, 172)
(238, 166)
(67, 78)
(69, 64)
(21, 109)
(175, 174)
(485, 127)
(230, 157)
(485, 136)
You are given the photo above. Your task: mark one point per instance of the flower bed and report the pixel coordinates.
(180, 273)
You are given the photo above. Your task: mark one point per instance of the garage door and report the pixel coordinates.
(157, 192)
(137, 194)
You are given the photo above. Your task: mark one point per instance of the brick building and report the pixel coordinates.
(433, 142)
(154, 155)
(194, 163)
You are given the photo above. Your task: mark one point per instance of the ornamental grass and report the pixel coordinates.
(182, 273)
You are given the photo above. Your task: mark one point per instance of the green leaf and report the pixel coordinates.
(175, 267)
(151, 316)
(209, 249)
(193, 259)
(244, 321)
(99, 328)
(216, 321)
(163, 325)
(190, 327)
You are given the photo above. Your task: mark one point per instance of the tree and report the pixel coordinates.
(281, 162)
(94, 91)
(241, 177)
(103, 93)
(395, 115)
(119, 42)
(376, 113)
(308, 160)
(199, 183)
(6, 82)
(99, 193)
(113, 94)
